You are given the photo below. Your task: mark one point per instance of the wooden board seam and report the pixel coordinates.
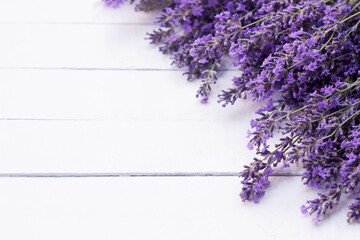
(108, 69)
(80, 23)
(133, 174)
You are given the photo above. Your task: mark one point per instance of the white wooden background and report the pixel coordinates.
(100, 138)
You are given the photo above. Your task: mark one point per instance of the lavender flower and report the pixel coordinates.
(113, 3)
(302, 59)
(354, 210)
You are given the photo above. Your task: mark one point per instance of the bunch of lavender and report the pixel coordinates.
(187, 32)
(302, 57)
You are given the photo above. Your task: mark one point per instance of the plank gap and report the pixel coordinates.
(108, 69)
(112, 120)
(133, 174)
(81, 23)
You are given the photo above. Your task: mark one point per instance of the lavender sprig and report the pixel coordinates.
(302, 59)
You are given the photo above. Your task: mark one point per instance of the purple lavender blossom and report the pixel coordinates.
(114, 3)
(354, 210)
(302, 59)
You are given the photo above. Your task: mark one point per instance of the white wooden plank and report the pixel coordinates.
(68, 11)
(124, 95)
(122, 146)
(159, 208)
(116, 113)
(79, 46)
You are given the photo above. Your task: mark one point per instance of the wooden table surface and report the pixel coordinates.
(101, 138)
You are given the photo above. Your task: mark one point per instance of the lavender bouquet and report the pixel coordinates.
(302, 59)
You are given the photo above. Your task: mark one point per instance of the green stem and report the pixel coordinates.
(341, 56)
(345, 89)
(323, 46)
(288, 114)
(327, 42)
(247, 14)
(350, 17)
(338, 111)
(347, 18)
(352, 28)
(353, 8)
(253, 23)
(294, 139)
(338, 127)
(327, 97)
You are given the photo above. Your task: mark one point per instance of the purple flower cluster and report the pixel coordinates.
(302, 59)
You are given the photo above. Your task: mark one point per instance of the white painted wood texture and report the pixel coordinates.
(79, 46)
(121, 146)
(157, 208)
(70, 12)
(82, 92)
(143, 104)
(115, 95)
